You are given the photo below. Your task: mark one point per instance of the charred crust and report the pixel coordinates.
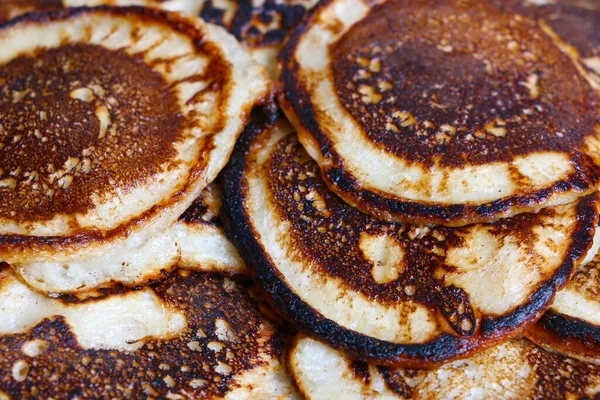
(245, 24)
(358, 346)
(160, 366)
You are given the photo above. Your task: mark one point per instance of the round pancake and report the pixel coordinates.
(113, 121)
(451, 112)
(196, 241)
(10, 9)
(195, 335)
(386, 292)
(513, 370)
(572, 325)
(260, 25)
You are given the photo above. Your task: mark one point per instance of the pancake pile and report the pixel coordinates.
(419, 220)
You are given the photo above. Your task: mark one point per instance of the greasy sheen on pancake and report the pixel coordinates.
(261, 25)
(572, 324)
(195, 335)
(387, 292)
(112, 122)
(196, 241)
(448, 112)
(516, 369)
(10, 9)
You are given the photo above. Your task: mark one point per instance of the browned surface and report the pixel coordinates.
(556, 377)
(51, 144)
(10, 9)
(266, 24)
(328, 231)
(455, 84)
(66, 370)
(218, 72)
(469, 101)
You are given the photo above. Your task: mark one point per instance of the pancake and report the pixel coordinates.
(513, 370)
(113, 121)
(196, 241)
(10, 9)
(572, 325)
(260, 25)
(393, 294)
(195, 335)
(448, 112)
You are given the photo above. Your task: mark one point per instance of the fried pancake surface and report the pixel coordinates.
(196, 241)
(572, 325)
(10, 9)
(573, 25)
(392, 293)
(195, 335)
(448, 112)
(113, 121)
(261, 25)
(513, 370)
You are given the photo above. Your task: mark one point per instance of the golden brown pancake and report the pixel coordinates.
(448, 112)
(113, 121)
(261, 25)
(195, 335)
(513, 370)
(572, 325)
(10, 9)
(386, 292)
(196, 241)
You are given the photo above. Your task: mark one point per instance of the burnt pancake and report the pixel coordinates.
(196, 241)
(194, 335)
(387, 292)
(10, 9)
(261, 25)
(448, 112)
(513, 370)
(572, 324)
(113, 121)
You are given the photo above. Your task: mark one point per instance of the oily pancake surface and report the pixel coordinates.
(448, 112)
(196, 241)
(10, 9)
(195, 335)
(571, 326)
(113, 121)
(516, 369)
(387, 292)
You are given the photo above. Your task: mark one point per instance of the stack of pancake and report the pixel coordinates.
(422, 213)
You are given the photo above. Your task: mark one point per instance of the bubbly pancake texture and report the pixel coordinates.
(10, 9)
(572, 324)
(196, 241)
(195, 335)
(387, 292)
(113, 121)
(447, 112)
(261, 25)
(513, 370)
